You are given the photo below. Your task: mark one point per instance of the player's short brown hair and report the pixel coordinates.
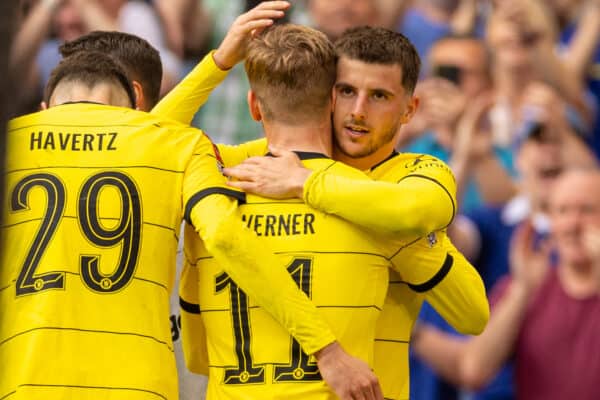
(90, 68)
(140, 60)
(291, 69)
(377, 45)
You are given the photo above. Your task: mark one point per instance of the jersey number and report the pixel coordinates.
(127, 231)
(299, 368)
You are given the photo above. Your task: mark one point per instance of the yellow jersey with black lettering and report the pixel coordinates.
(341, 268)
(92, 214)
(424, 183)
(427, 266)
(90, 232)
(452, 286)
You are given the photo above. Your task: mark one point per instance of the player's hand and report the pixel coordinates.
(349, 377)
(233, 47)
(279, 177)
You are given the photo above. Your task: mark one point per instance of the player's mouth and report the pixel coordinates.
(356, 130)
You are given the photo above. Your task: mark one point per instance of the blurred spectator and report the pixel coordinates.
(135, 17)
(579, 46)
(522, 36)
(459, 71)
(547, 318)
(187, 25)
(427, 21)
(483, 236)
(48, 23)
(334, 17)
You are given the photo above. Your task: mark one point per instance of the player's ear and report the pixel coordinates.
(411, 109)
(43, 105)
(254, 106)
(140, 100)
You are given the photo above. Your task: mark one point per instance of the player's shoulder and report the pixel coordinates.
(335, 167)
(405, 164)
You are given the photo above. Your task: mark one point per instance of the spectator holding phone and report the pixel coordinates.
(459, 71)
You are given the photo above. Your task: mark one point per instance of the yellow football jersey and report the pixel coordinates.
(439, 273)
(342, 269)
(426, 267)
(89, 238)
(454, 288)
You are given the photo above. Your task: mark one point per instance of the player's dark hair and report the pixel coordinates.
(90, 68)
(140, 60)
(376, 45)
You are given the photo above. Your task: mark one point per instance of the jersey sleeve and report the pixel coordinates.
(452, 286)
(193, 333)
(233, 155)
(417, 204)
(182, 103)
(212, 210)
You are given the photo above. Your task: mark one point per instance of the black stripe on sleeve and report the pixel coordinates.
(440, 185)
(189, 307)
(437, 278)
(239, 196)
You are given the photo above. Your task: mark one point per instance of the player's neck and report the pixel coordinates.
(311, 137)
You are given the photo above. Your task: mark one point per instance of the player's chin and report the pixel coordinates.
(353, 149)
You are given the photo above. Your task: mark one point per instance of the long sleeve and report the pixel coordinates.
(214, 213)
(192, 92)
(417, 204)
(432, 266)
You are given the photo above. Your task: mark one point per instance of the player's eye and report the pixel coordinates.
(379, 95)
(345, 90)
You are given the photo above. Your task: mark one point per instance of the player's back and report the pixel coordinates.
(334, 262)
(94, 198)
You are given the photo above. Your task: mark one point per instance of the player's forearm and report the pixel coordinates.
(193, 333)
(192, 92)
(460, 297)
(414, 206)
(258, 272)
(485, 354)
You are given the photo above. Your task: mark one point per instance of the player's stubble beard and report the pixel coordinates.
(372, 145)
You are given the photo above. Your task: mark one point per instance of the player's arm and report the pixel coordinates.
(235, 154)
(193, 333)
(213, 212)
(422, 201)
(191, 93)
(434, 268)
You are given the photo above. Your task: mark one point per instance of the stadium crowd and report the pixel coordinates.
(508, 96)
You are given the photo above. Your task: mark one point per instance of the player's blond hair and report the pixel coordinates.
(291, 69)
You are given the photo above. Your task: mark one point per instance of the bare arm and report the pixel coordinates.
(32, 35)
(187, 24)
(95, 17)
(440, 350)
(485, 354)
(585, 41)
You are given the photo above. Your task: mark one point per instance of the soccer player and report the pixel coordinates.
(414, 195)
(95, 196)
(343, 268)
